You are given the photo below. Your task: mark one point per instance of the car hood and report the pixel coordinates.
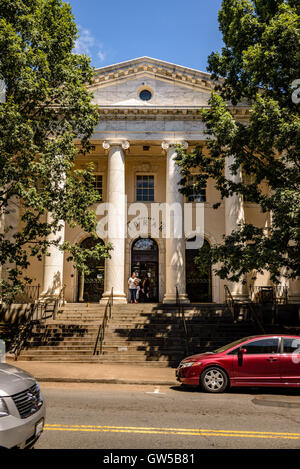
(14, 380)
(195, 358)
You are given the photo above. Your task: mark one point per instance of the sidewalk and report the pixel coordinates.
(97, 373)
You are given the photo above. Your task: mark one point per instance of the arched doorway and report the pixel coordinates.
(91, 286)
(144, 261)
(198, 285)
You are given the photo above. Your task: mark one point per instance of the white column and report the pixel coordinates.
(234, 215)
(54, 262)
(115, 266)
(175, 246)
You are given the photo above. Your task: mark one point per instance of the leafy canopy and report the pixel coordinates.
(47, 107)
(257, 66)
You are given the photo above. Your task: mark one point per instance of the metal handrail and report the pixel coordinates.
(38, 313)
(231, 303)
(182, 315)
(256, 317)
(229, 300)
(278, 293)
(28, 294)
(102, 327)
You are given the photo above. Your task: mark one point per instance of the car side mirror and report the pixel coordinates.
(242, 351)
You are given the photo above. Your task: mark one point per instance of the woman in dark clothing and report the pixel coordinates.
(147, 287)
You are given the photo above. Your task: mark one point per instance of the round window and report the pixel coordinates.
(145, 95)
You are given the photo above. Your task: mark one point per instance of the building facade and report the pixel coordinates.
(147, 107)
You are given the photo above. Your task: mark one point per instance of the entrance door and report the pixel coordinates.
(144, 262)
(91, 286)
(198, 284)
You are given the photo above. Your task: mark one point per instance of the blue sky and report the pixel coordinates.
(178, 31)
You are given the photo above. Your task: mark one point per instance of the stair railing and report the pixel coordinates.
(229, 301)
(102, 327)
(181, 314)
(232, 304)
(30, 294)
(253, 314)
(40, 311)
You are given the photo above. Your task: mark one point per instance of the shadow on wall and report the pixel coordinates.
(56, 285)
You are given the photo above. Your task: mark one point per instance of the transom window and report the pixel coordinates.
(98, 184)
(145, 188)
(145, 244)
(196, 195)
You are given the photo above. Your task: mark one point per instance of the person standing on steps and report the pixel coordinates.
(138, 286)
(147, 287)
(132, 284)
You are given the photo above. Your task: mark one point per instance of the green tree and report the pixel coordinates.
(257, 66)
(47, 107)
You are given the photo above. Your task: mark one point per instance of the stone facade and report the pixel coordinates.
(136, 137)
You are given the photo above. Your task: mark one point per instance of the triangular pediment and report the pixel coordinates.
(170, 85)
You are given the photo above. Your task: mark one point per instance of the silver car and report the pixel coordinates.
(22, 410)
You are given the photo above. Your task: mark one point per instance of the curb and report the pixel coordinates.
(106, 381)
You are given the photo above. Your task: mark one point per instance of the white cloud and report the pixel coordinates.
(87, 44)
(101, 53)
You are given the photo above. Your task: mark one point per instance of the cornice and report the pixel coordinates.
(154, 68)
(164, 112)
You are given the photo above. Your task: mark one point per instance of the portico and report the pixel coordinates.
(146, 108)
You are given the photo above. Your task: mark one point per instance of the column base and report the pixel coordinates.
(170, 298)
(240, 298)
(118, 298)
(239, 291)
(51, 293)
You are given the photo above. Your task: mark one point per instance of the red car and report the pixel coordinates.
(263, 360)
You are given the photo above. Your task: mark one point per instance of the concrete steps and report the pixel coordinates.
(140, 334)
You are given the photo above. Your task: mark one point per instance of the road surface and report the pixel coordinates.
(138, 417)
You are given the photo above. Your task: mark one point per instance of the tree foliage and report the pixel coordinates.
(47, 107)
(257, 67)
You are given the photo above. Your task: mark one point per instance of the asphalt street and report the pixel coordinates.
(81, 416)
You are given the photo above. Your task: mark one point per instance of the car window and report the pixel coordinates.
(228, 346)
(291, 345)
(262, 346)
(234, 351)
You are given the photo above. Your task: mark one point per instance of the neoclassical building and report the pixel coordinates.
(146, 108)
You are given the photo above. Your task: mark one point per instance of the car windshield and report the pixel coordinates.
(229, 346)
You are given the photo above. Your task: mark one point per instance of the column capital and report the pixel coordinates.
(168, 145)
(106, 145)
(124, 144)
